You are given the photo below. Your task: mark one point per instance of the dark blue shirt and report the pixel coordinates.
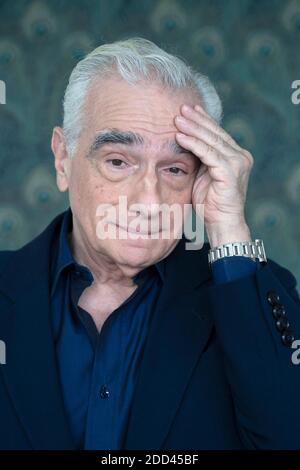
(98, 371)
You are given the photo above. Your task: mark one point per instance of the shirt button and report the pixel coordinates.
(104, 392)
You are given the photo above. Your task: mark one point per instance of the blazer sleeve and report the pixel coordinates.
(257, 320)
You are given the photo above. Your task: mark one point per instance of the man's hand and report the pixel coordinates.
(222, 180)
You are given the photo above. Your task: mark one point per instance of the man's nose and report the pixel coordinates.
(146, 194)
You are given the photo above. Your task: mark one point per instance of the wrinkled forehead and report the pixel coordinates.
(111, 101)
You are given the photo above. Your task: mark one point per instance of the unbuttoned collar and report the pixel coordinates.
(64, 258)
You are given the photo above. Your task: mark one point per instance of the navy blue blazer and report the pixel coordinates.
(217, 372)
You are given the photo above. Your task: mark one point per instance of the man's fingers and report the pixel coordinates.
(200, 116)
(209, 137)
(207, 154)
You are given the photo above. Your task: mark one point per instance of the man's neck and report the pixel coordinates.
(103, 269)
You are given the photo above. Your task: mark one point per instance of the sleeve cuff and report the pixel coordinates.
(231, 268)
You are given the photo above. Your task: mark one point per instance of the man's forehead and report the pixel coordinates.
(116, 94)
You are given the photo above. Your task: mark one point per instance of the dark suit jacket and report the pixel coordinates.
(215, 373)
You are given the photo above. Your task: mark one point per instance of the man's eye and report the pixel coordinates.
(176, 170)
(116, 163)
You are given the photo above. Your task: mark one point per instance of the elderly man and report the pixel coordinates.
(133, 341)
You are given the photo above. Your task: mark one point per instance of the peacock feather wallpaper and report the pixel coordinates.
(250, 49)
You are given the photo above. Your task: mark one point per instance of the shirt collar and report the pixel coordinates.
(64, 257)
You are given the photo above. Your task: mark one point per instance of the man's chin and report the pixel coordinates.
(138, 253)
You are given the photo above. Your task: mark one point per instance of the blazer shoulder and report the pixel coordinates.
(40, 245)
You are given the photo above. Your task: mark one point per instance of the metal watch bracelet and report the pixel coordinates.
(254, 250)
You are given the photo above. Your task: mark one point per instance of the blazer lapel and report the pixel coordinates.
(180, 328)
(30, 372)
(178, 334)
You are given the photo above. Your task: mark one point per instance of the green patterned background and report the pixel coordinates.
(250, 49)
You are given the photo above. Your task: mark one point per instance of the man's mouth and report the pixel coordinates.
(138, 230)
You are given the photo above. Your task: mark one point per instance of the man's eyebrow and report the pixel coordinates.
(118, 136)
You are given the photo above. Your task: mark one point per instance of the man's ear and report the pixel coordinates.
(62, 160)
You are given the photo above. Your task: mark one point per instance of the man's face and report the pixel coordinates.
(146, 173)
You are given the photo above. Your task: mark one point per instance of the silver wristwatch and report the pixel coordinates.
(253, 250)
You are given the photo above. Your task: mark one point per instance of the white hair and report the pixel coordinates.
(133, 59)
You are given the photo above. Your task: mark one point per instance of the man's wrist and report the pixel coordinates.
(228, 234)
